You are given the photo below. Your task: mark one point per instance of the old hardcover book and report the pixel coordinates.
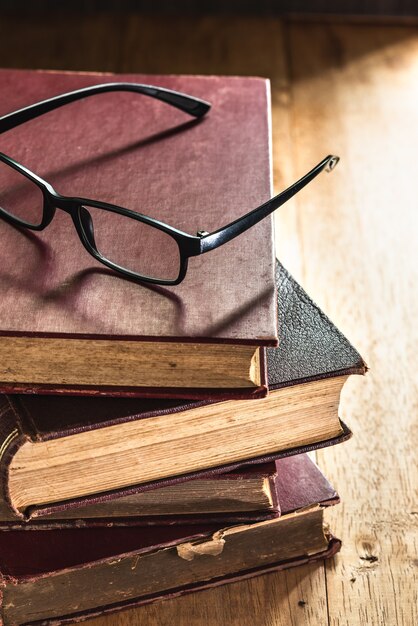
(60, 452)
(60, 576)
(61, 311)
(245, 494)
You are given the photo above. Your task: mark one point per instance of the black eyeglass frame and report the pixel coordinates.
(189, 245)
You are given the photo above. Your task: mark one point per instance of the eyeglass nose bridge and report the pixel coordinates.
(83, 224)
(80, 216)
(68, 205)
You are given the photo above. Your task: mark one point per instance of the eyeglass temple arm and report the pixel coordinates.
(188, 104)
(239, 226)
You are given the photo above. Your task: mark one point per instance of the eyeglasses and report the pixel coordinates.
(161, 253)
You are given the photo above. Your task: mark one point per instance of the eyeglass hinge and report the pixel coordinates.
(202, 233)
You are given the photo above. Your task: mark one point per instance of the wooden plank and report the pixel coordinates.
(292, 598)
(89, 42)
(354, 92)
(205, 45)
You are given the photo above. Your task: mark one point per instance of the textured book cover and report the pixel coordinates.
(58, 303)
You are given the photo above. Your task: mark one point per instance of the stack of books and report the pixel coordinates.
(154, 439)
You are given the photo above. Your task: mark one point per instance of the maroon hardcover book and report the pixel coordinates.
(60, 576)
(246, 494)
(121, 511)
(61, 311)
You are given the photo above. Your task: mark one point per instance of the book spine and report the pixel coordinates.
(11, 438)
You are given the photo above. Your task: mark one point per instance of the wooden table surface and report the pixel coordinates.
(351, 240)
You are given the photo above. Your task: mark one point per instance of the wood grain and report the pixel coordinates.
(72, 41)
(352, 242)
(355, 93)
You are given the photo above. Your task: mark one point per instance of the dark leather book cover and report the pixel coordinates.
(311, 348)
(33, 563)
(140, 153)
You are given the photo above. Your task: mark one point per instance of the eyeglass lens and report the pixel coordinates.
(131, 244)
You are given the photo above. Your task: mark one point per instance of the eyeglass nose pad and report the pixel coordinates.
(87, 224)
